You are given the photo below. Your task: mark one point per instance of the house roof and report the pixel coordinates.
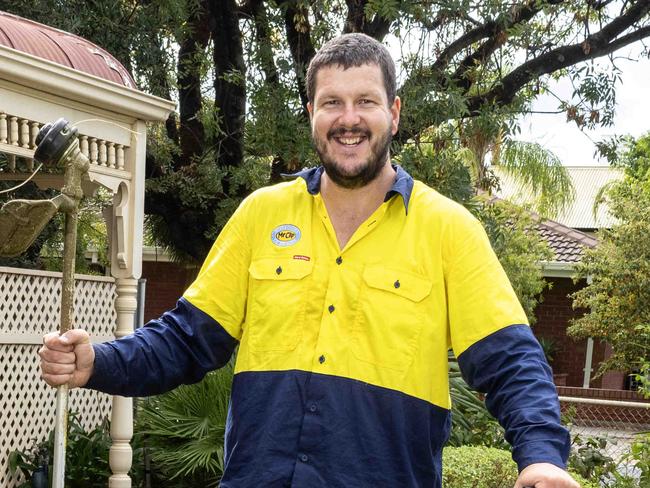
(62, 48)
(567, 244)
(587, 181)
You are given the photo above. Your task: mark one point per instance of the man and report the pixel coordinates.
(344, 290)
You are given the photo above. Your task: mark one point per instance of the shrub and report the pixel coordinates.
(182, 431)
(484, 467)
(86, 457)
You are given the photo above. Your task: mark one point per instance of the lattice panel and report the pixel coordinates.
(30, 303)
(28, 405)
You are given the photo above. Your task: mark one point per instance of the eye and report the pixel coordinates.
(366, 101)
(331, 103)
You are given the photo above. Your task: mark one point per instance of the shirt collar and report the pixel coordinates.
(402, 186)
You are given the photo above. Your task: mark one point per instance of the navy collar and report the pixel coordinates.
(403, 183)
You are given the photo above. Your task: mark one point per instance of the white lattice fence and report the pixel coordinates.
(29, 307)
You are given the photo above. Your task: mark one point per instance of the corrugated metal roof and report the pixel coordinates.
(62, 48)
(587, 181)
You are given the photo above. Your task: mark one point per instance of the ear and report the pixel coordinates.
(394, 111)
(310, 109)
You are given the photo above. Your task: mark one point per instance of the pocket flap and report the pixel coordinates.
(280, 269)
(403, 283)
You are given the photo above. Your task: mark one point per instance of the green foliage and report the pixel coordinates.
(513, 235)
(549, 347)
(539, 172)
(183, 431)
(86, 456)
(443, 170)
(618, 296)
(635, 157)
(477, 467)
(482, 467)
(589, 459)
(639, 454)
(456, 64)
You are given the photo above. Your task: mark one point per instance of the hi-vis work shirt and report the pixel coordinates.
(341, 377)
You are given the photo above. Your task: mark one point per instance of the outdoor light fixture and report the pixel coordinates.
(23, 220)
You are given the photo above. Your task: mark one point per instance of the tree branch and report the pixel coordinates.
(496, 30)
(356, 21)
(298, 29)
(229, 81)
(191, 47)
(596, 45)
(263, 37)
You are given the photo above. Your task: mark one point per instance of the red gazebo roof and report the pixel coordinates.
(62, 48)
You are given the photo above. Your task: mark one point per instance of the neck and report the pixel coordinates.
(357, 201)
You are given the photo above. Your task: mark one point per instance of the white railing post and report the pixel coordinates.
(120, 455)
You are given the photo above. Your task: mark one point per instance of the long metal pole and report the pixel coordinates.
(67, 310)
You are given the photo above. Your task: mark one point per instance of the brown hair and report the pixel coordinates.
(353, 50)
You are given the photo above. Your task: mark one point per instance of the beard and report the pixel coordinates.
(366, 172)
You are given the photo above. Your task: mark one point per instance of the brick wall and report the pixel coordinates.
(553, 317)
(166, 282)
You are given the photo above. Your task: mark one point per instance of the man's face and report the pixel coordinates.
(352, 123)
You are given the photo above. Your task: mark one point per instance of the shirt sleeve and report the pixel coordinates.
(497, 352)
(510, 367)
(480, 298)
(197, 336)
(178, 348)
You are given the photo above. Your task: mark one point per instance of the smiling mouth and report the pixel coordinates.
(348, 138)
(350, 141)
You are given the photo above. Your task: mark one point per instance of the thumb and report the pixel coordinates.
(75, 337)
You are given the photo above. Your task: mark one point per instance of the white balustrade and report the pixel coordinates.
(3, 128)
(13, 131)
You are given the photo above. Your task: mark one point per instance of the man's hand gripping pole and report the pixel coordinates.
(23, 221)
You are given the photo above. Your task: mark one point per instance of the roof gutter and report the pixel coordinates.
(558, 269)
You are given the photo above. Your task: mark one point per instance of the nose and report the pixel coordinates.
(349, 116)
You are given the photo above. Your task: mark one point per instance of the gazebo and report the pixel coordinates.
(46, 74)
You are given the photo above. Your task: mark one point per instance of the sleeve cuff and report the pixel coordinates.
(534, 452)
(97, 380)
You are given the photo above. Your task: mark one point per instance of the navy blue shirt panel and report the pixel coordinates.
(510, 367)
(178, 348)
(300, 429)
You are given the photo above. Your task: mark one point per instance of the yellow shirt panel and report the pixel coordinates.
(380, 311)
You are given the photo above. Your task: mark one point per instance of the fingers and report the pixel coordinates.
(61, 356)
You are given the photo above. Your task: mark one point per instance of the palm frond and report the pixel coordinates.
(539, 172)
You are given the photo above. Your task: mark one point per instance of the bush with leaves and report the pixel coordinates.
(86, 457)
(618, 295)
(484, 467)
(183, 431)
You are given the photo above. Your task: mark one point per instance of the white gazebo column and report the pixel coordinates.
(121, 454)
(126, 266)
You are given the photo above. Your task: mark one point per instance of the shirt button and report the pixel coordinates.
(396, 284)
(279, 270)
(321, 359)
(339, 260)
(304, 458)
(312, 407)
(331, 308)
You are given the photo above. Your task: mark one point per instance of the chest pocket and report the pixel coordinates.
(392, 312)
(277, 302)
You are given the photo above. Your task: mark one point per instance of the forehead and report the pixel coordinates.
(335, 79)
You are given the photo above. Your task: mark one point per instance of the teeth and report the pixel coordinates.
(350, 141)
